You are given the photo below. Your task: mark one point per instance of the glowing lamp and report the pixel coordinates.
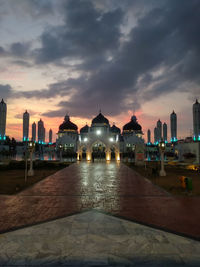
(111, 139)
(85, 139)
(98, 132)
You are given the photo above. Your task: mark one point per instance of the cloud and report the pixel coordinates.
(87, 32)
(119, 70)
(5, 91)
(35, 8)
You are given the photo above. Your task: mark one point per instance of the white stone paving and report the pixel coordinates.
(95, 239)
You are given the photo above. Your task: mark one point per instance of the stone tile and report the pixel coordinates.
(123, 247)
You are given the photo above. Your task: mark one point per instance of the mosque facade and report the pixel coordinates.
(100, 140)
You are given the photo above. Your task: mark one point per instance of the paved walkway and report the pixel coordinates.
(112, 188)
(95, 239)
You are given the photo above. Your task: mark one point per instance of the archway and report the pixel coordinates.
(98, 150)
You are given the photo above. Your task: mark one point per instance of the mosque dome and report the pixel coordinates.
(115, 129)
(84, 129)
(67, 125)
(100, 119)
(133, 125)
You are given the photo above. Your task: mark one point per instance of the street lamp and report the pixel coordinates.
(60, 148)
(31, 147)
(162, 150)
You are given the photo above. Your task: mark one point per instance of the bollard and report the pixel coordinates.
(183, 182)
(188, 182)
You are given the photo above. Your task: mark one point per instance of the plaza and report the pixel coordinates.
(99, 213)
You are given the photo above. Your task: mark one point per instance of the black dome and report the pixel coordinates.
(84, 129)
(132, 125)
(68, 125)
(100, 119)
(115, 129)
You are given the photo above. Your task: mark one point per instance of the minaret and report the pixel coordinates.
(25, 126)
(148, 137)
(3, 113)
(50, 136)
(196, 120)
(40, 131)
(34, 132)
(159, 127)
(155, 135)
(44, 134)
(173, 123)
(165, 132)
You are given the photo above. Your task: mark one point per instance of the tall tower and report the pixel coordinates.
(155, 135)
(173, 123)
(159, 127)
(148, 137)
(44, 134)
(40, 131)
(3, 113)
(196, 120)
(165, 132)
(25, 126)
(50, 136)
(34, 132)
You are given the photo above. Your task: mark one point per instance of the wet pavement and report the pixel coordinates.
(108, 187)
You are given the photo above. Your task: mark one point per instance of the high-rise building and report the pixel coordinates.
(173, 124)
(44, 135)
(50, 136)
(148, 137)
(41, 132)
(156, 135)
(159, 127)
(165, 132)
(3, 113)
(34, 132)
(25, 126)
(196, 120)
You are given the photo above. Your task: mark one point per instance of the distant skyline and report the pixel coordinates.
(123, 57)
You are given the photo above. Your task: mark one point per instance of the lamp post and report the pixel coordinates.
(60, 148)
(162, 150)
(31, 147)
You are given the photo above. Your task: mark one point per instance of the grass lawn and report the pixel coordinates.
(13, 181)
(170, 182)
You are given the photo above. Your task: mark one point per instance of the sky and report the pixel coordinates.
(79, 56)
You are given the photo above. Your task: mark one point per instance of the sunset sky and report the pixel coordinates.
(80, 56)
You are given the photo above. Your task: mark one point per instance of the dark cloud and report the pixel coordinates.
(119, 71)
(2, 51)
(19, 49)
(87, 33)
(5, 91)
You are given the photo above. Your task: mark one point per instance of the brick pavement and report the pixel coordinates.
(108, 187)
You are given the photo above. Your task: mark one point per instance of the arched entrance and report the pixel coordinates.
(98, 150)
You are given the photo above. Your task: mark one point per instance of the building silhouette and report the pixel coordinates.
(50, 136)
(41, 132)
(156, 135)
(3, 113)
(34, 132)
(173, 124)
(26, 126)
(165, 132)
(196, 121)
(148, 137)
(159, 129)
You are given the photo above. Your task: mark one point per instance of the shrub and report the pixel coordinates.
(189, 155)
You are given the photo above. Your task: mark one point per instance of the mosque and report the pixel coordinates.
(100, 140)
